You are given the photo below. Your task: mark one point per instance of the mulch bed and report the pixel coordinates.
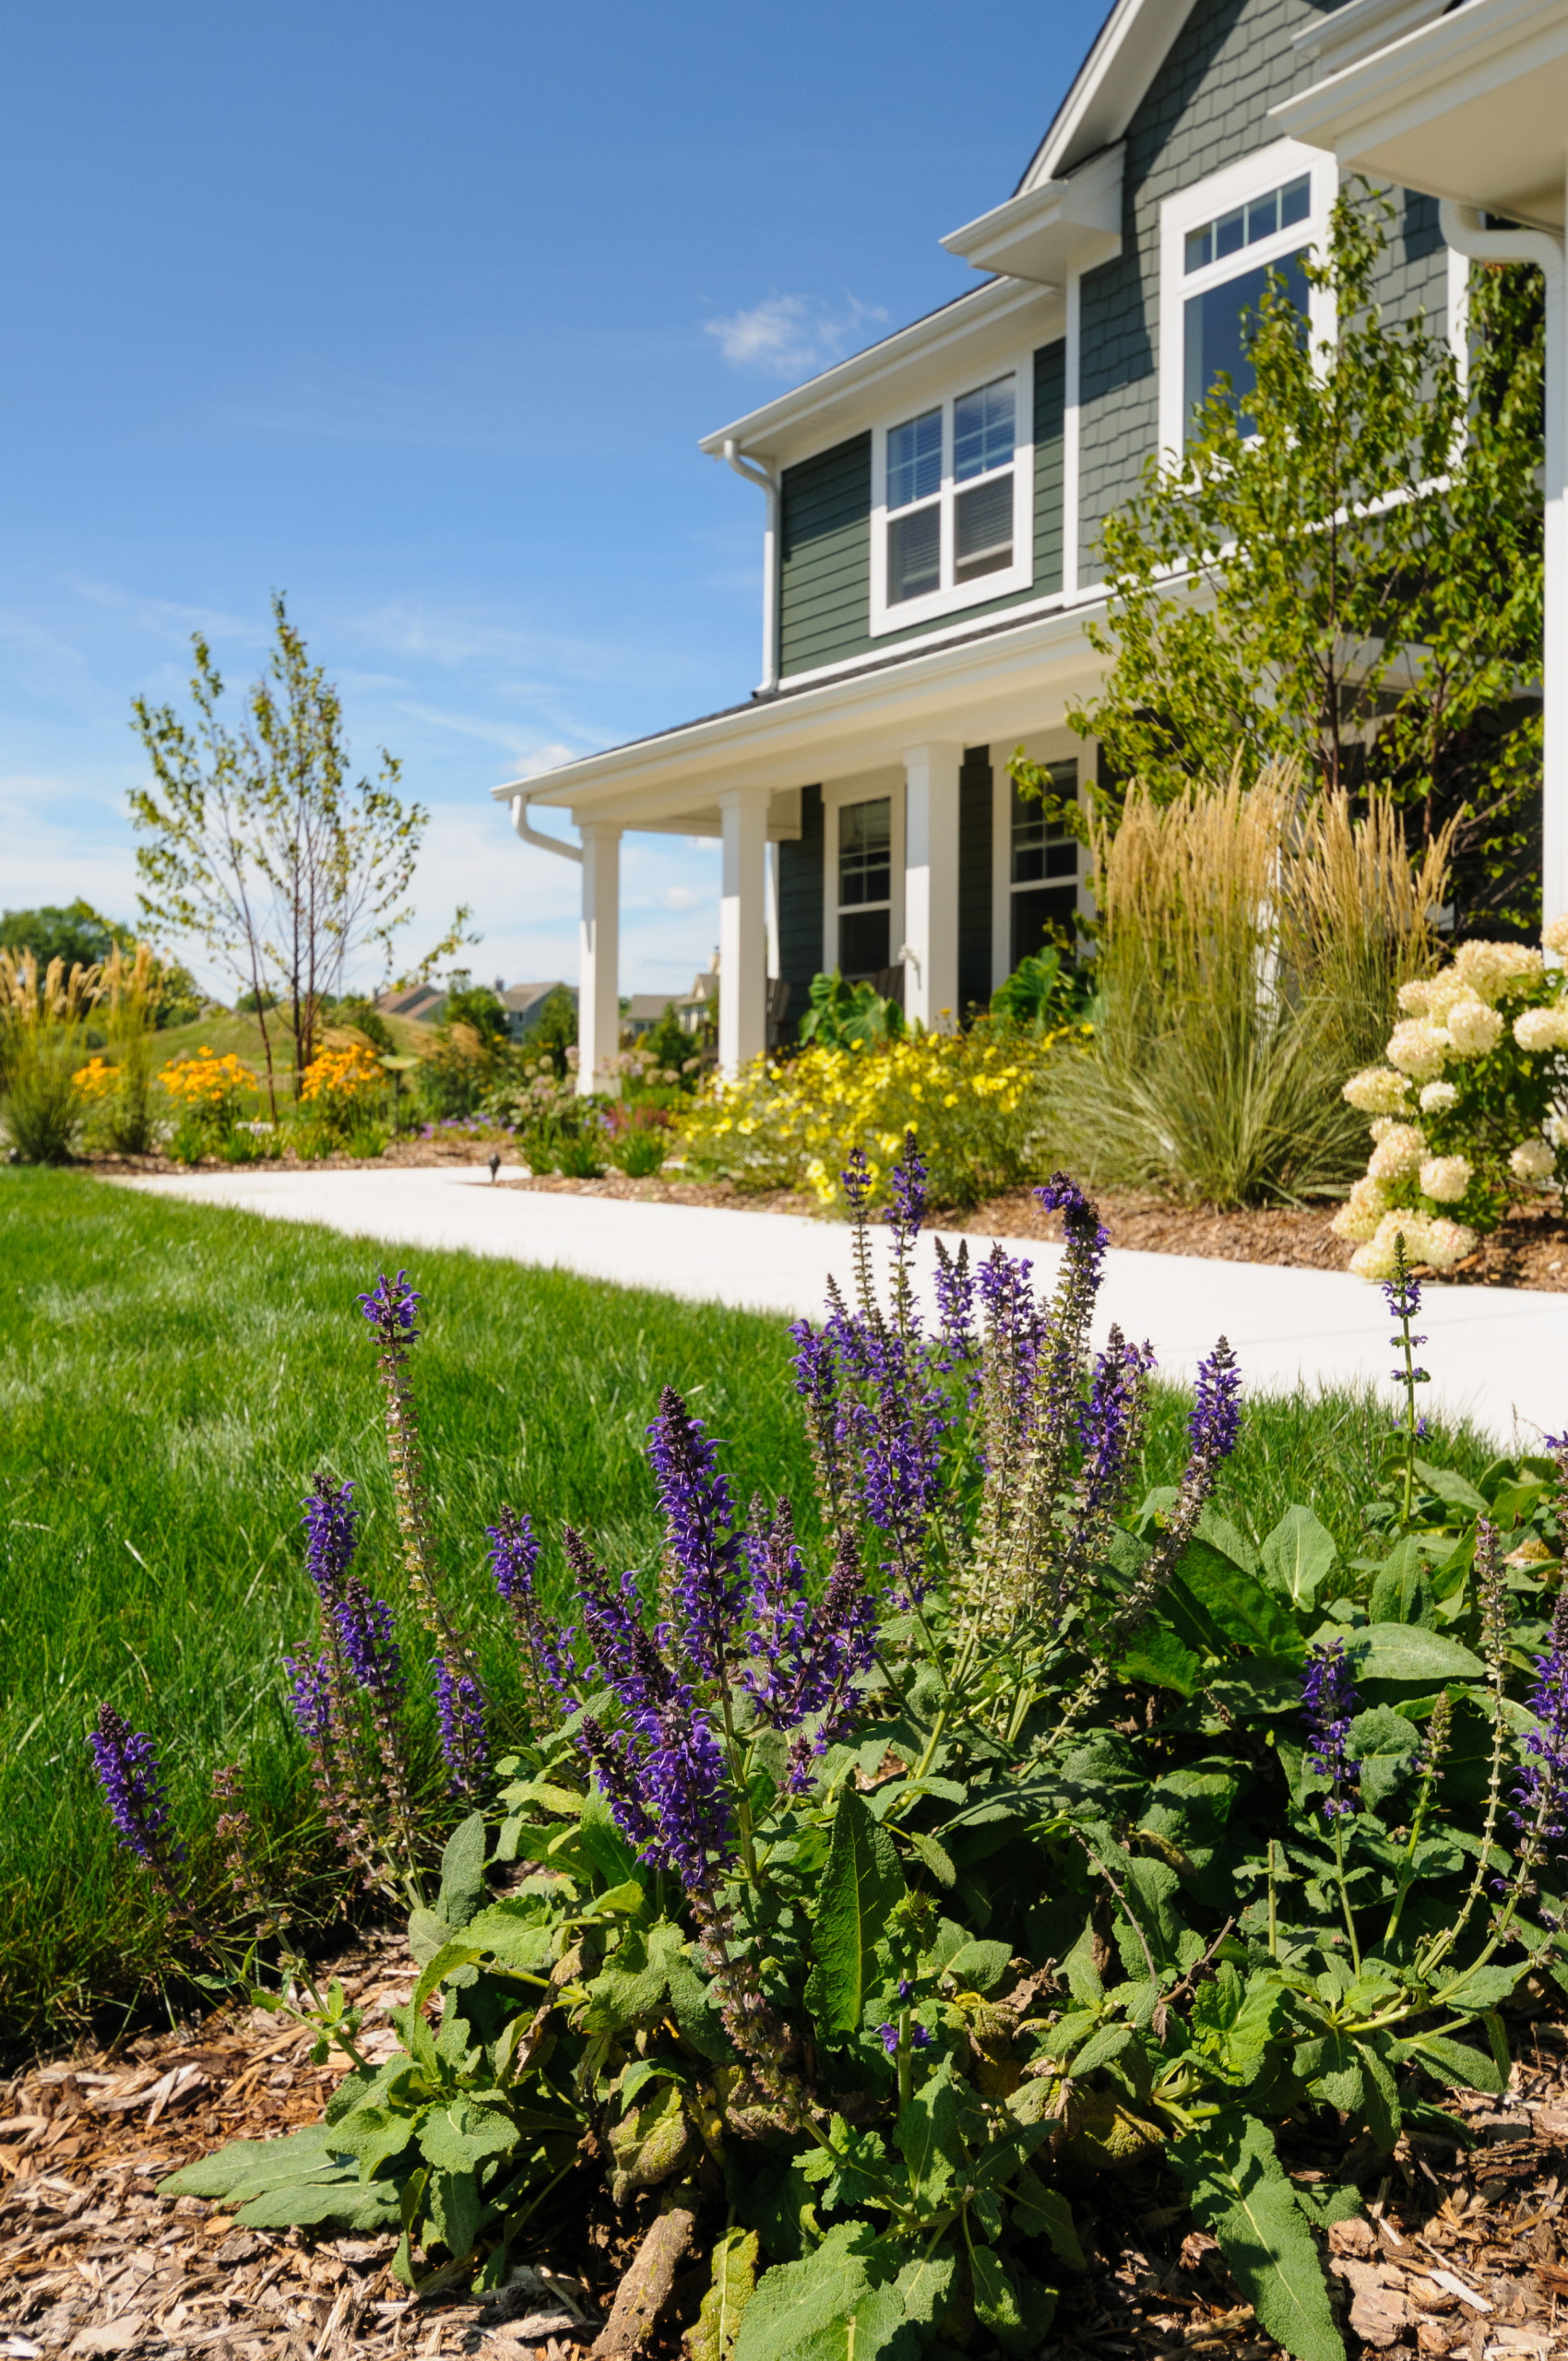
(1464, 2254)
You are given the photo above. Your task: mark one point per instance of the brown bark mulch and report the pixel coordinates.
(1465, 2253)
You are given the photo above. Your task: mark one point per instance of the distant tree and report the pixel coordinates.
(75, 932)
(555, 1028)
(475, 1006)
(260, 844)
(1344, 568)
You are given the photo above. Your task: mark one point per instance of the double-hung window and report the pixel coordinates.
(1221, 244)
(1042, 870)
(954, 518)
(865, 887)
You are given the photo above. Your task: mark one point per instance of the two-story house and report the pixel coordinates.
(933, 505)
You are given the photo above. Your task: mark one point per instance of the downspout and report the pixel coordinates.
(1463, 230)
(531, 835)
(754, 473)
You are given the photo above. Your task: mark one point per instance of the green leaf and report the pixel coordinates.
(603, 1844)
(458, 2137)
(435, 1971)
(1401, 1591)
(635, 1984)
(978, 1966)
(939, 1862)
(1456, 2064)
(926, 2135)
(514, 1935)
(1240, 2193)
(462, 1872)
(249, 2167)
(1383, 1743)
(1450, 1487)
(1402, 1651)
(1297, 1556)
(1245, 1610)
(1330, 2065)
(1045, 2212)
(996, 2301)
(358, 2205)
(829, 2306)
(729, 2291)
(1478, 1987)
(925, 2286)
(1380, 2097)
(456, 2211)
(1158, 1657)
(860, 1886)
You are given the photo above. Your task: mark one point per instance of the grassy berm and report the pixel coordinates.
(171, 1376)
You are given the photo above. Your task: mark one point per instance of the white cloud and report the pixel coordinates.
(680, 897)
(790, 334)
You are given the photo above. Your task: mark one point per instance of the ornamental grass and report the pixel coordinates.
(1252, 947)
(976, 1102)
(42, 1041)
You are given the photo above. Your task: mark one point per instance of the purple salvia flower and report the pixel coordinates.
(331, 1534)
(607, 1760)
(816, 1382)
(1213, 1428)
(625, 1651)
(856, 1178)
(369, 1643)
(1328, 1702)
(135, 1791)
(704, 1550)
(896, 1432)
(513, 1557)
(1216, 1406)
(390, 1308)
(908, 1193)
(955, 1285)
(804, 1663)
(310, 1698)
(1540, 1796)
(459, 1714)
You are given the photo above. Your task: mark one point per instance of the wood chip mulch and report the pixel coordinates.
(1465, 2253)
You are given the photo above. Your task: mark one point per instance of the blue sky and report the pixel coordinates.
(416, 314)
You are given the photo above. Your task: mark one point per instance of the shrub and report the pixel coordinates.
(848, 1016)
(872, 1889)
(340, 1088)
(1245, 942)
(212, 1095)
(975, 1100)
(638, 1140)
(1467, 1111)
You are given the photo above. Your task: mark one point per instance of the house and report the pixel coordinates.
(932, 506)
(524, 1003)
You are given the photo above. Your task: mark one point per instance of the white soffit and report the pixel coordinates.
(1095, 113)
(1471, 105)
(1051, 227)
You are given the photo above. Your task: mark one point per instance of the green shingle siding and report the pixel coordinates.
(800, 907)
(825, 554)
(1207, 105)
(974, 879)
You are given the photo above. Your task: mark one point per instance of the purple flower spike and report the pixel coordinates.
(135, 1790)
(513, 1557)
(332, 1532)
(908, 1193)
(459, 1712)
(370, 1646)
(704, 1549)
(1080, 1217)
(1328, 1702)
(888, 2035)
(310, 1697)
(1217, 1408)
(856, 1177)
(390, 1306)
(1544, 1771)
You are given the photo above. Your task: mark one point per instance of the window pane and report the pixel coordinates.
(866, 854)
(1200, 247)
(983, 528)
(863, 943)
(1263, 217)
(1043, 916)
(1038, 850)
(1221, 324)
(1230, 234)
(1276, 208)
(914, 554)
(983, 429)
(1295, 201)
(914, 460)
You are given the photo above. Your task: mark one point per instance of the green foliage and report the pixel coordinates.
(477, 1006)
(1042, 993)
(554, 1030)
(1371, 505)
(76, 933)
(842, 1015)
(366, 1019)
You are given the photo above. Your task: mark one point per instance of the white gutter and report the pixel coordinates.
(531, 835)
(769, 480)
(1462, 227)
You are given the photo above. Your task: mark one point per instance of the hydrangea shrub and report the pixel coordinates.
(1467, 1113)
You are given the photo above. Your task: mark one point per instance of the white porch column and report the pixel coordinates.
(742, 929)
(598, 959)
(931, 884)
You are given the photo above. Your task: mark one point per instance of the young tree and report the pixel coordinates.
(260, 844)
(1346, 569)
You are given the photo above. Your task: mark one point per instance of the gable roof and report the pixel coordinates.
(1127, 52)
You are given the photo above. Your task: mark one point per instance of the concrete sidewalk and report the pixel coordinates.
(1497, 1355)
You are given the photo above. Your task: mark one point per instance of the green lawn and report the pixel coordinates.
(170, 1375)
(243, 1036)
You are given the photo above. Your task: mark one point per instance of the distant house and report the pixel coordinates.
(932, 536)
(426, 1003)
(524, 1003)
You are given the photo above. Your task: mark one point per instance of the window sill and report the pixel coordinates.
(955, 601)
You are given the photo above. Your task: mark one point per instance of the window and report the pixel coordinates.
(1043, 870)
(865, 886)
(1220, 244)
(956, 503)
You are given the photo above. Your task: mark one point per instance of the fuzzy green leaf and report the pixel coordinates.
(926, 2135)
(462, 1872)
(1158, 1657)
(1045, 2212)
(730, 2291)
(1240, 2193)
(1297, 1556)
(830, 2306)
(860, 1886)
(458, 2137)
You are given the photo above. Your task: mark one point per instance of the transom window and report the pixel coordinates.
(865, 886)
(953, 502)
(1261, 216)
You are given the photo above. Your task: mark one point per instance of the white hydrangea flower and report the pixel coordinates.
(1492, 967)
(1446, 1178)
(1418, 1048)
(1437, 1097)
(1532, 1160)
(1377, 1090)
(1359, 1216)
(1399, 1151)
(1414, 996)
(1541, 1028)
(1554, 935)
(1446, 1242)
(1429, 1237)
(1474, 1029)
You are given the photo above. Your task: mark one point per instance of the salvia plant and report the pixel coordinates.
(872, 1876)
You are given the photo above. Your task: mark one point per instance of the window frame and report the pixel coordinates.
(871, 787)
(951, 597)
(1189, 208)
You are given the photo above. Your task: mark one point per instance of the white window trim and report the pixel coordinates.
(1265, 168)
(859, 790)
(953, 597)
